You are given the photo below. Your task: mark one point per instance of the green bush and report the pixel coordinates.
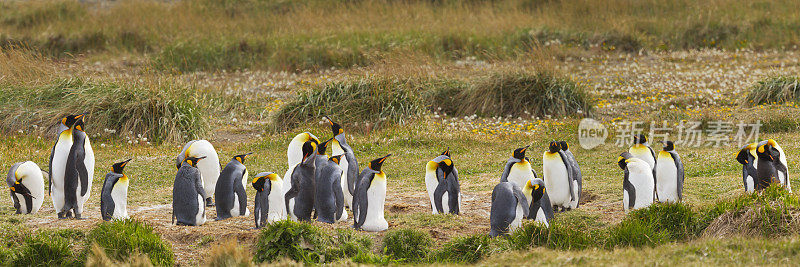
(123, 239)
(408, 245)
(557, 236)
(465, 249)
(348, 244)
(44, 249)
(634, 233)
(300, 242)
(777, 89)
(677, 219)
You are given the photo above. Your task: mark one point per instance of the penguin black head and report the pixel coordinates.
(119, 167)
(668, 145)
(768, 151)
(537, 189)
(554, 147)
(259, 181)
(79, 125)
(193, 161)
(447, 166)
(563, 145)
(70, 120)
(309, 147)
(519, 153)
(323, 147)
(336, 159)
(621, 160)
(446, 152)
(21, 189)
(639, 139)
(377, 163)
(336, 129)
(242, 157)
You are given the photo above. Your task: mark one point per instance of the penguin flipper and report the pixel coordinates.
(521, 200)
(50, 170)
(238, 189)
(17, 206)
(630, 189)
(352, 168)
(338, 196)
(437, 197)
(679, 166)
(570, 173)
(454, 190)
(83, 173)
(507, 170)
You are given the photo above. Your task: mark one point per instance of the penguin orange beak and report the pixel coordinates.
(330, 122)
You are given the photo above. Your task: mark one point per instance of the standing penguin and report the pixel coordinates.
(84, 164)
(269, 204)
(747, 158)
(577, 177)
(348, 162)
(637, 185)
(509, 206)
(230, 195)
(294, 153)
(669, 174)
(114, 196)
(518, 168)
(64, 201)
(26, 183)
(444, 189)
(558, 177)
(209, 167)
(642, 150)
(369, 197)
(329, 197)
(299, 200)
(540, 208)
(769, 167)
(188, 195)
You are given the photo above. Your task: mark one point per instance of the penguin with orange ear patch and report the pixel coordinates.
(771, 167)
(114, 196)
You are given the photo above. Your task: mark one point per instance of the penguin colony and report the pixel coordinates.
(318, 186)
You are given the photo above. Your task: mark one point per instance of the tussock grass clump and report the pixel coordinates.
(348, 244)
(229, 253)
(634, 233)
(466, 249)
(374, 100)
(301, 242)
(557, 236)
(44, 249)
(776, 89)
(768, 213)
(522, 94)
(158, 109)
(122, 240)
(409, 245)
(678, 220)
(98, 258)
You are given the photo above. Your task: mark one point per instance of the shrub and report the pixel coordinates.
(635, 233)
(44, 249)
(301, 242)
(776, 89)
(677, 219)
(466, 249)
(408, 245)
(348, 244)
(557, 236)
(124, 239)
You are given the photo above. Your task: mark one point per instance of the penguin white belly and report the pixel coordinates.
(277, 207)
(642, 180)
(209, 167)
(431, 183)
(517, 222)
(445, 203)
(556, 180)
(750, 184)
(576, 192)
(88, 161)
(348, 198)
(34, 181)
(344, 216)
(626, 202)
(120, 196)
(59, 165)
(541, 218)
(235, 210)
(667, 180)
(376, 196)
(644, 154)
(520, 173)
(200, 218)
(294, 153)
(286, 187)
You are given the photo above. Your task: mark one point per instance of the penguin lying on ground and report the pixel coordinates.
(303, 186)
(509, 206)
(770, 166)
(26, 185)
(558, 176)
(444, 190)
(329, 198)
(269, 204)
(540, 208)
(669, 174)
(637, 185)
(348, 162)
(577, 176)
(114, 195)
(518, 168)
(369, 197)
(230, 195)
(209, 167)
(188, 195)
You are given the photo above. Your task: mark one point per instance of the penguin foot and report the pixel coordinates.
(209, 202)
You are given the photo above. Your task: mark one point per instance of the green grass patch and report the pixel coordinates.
(466, 249)
(303, 242)
(778, 89)
(123, 239)
(408, 245)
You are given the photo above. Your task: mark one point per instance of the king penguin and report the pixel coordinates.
(509, 207)
(188, 195)
(294, 154)
(441, 179)
(26, 183)
(73, 182)
(669, 174)
(269, 204)
(299, 200)
(642, 150)
(577, 176)
(348, 162)
(770, 168)
(518, 168)
(561, 186)
(369, 198)
(84, 155)
(114, 196)
(747, 157)
(230, 195)
(58, 165)
(329, 198)
(637, 185)
(540, 208)
(209, 167)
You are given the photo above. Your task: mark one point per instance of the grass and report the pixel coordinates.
(229, 253)
(466, 249)
(408, 245)
(124, 239)
(778, 89)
